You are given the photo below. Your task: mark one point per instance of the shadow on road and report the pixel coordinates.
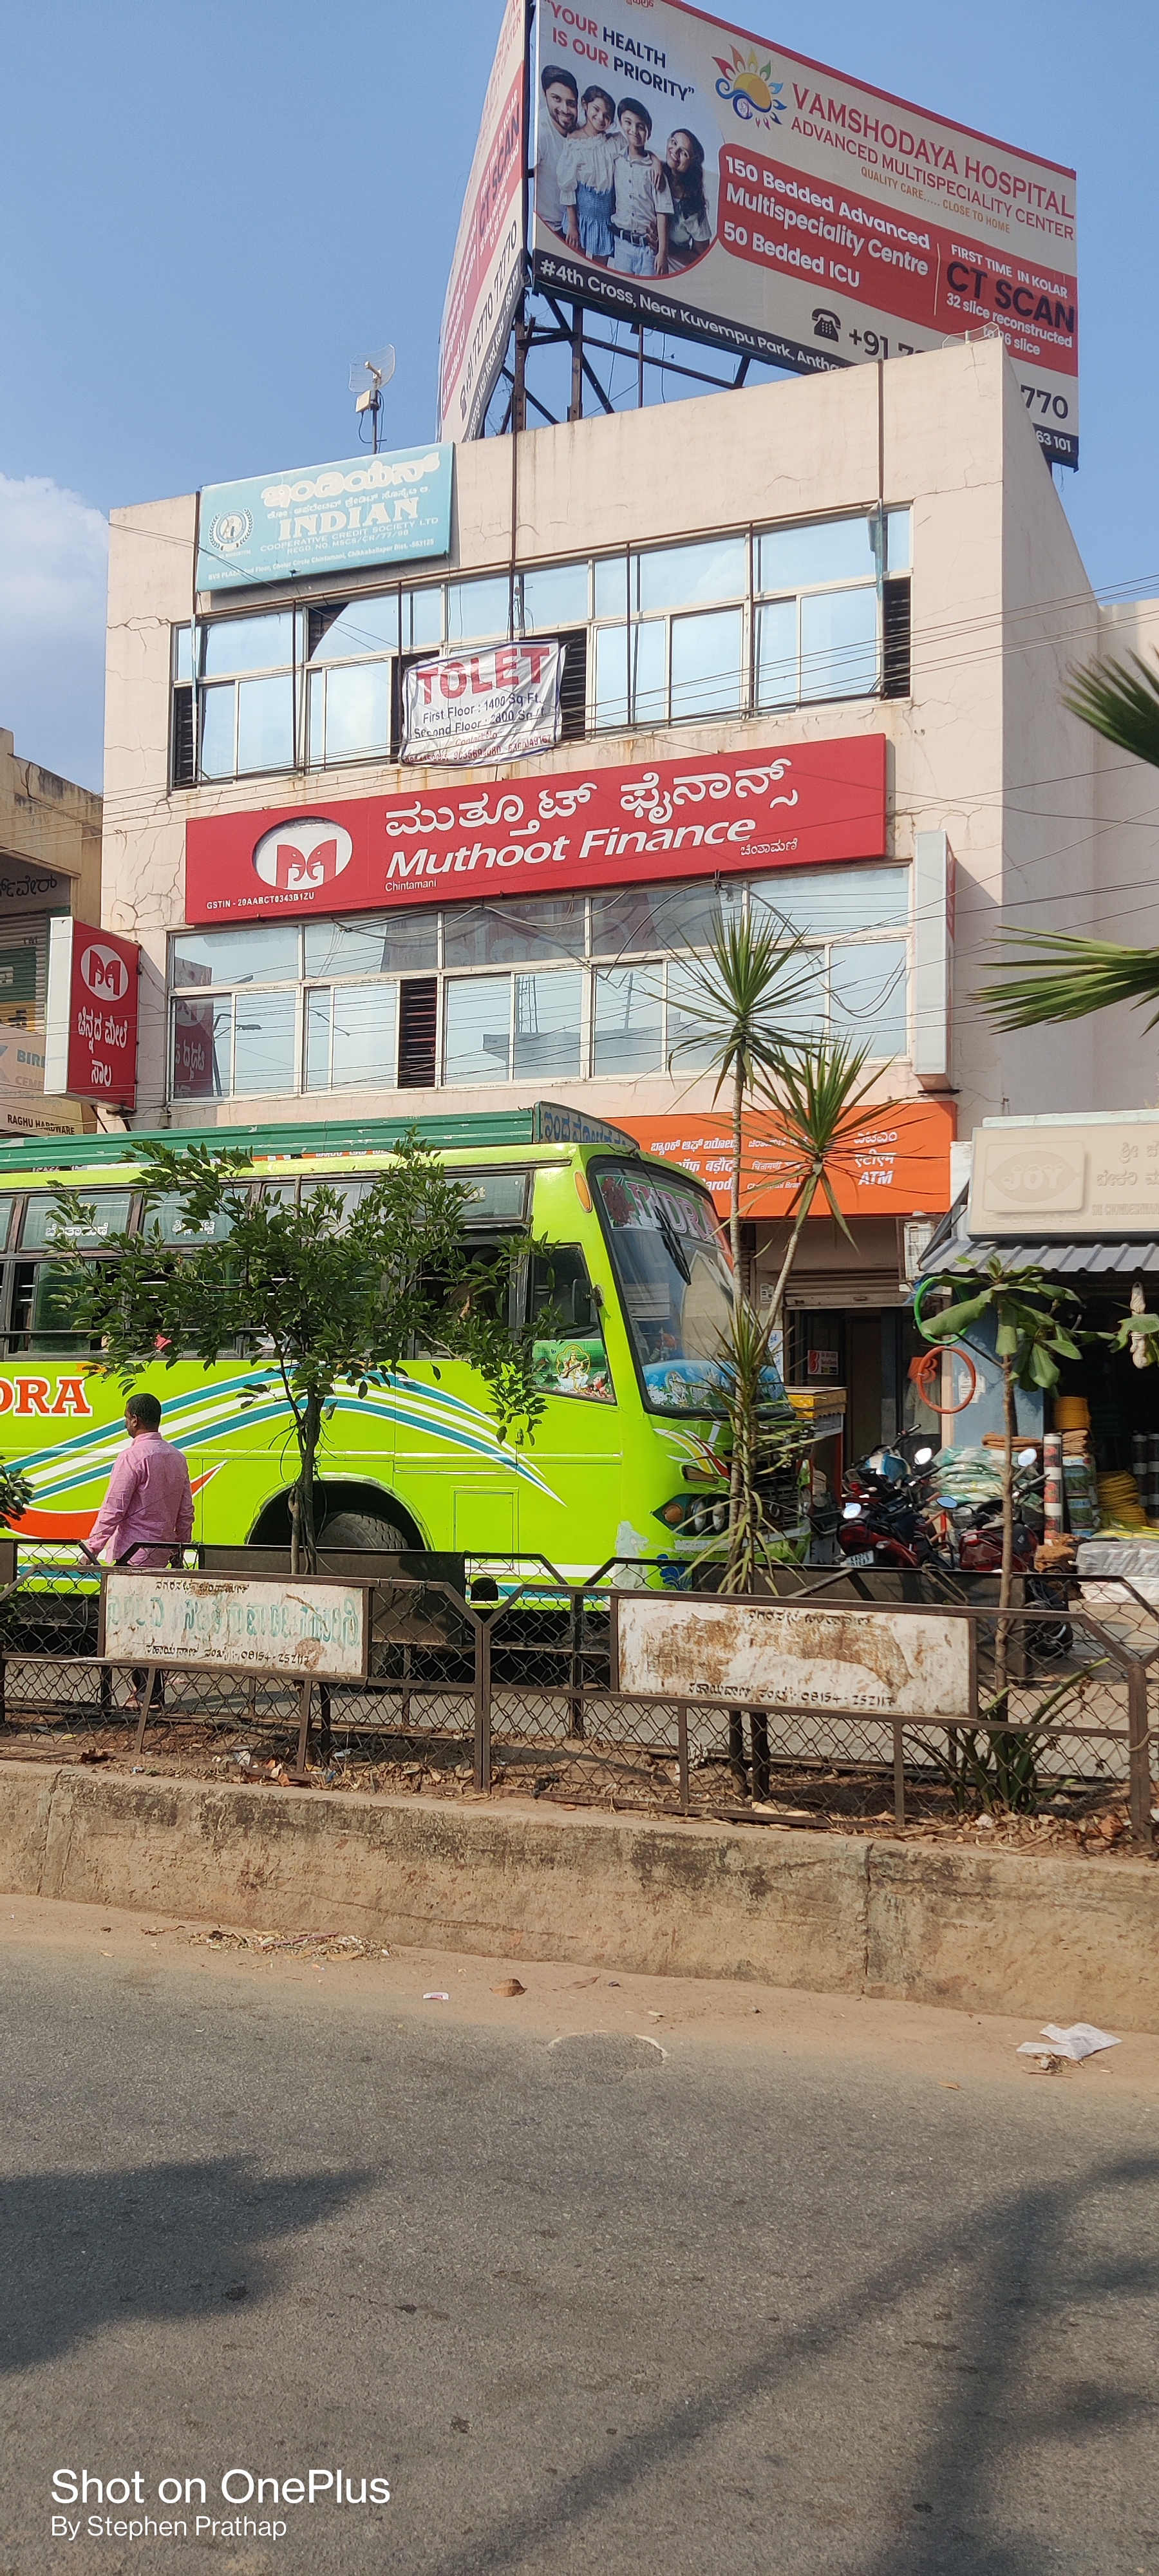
(971, 2405)
(80, 2251)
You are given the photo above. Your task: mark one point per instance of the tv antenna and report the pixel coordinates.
(367, 378)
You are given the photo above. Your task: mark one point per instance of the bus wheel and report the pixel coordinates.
(363, 1529)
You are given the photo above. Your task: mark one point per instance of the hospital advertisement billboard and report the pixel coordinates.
(695, 178)
(488, 270)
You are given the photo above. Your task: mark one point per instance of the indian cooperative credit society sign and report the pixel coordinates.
(325, 518)
(793, 806)
(90, 1045)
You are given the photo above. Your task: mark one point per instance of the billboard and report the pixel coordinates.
(890, 1169)
(91, 1016)
(698, 179)
(488, 268)
(325, 518)
(803, 803)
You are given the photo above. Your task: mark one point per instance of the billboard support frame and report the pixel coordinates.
(528, 336)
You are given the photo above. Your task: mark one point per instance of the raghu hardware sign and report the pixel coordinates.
(810, 219)
(325, 518)
(792, 807)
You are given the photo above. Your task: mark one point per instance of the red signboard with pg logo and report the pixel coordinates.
(102, 1017)
(775, 806)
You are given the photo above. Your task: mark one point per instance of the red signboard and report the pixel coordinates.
(99, 1041)
(782, 806)
(899, 1166)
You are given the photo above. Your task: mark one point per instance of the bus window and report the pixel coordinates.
(41, 1218)
(574, 1361)
(6, 1207)
(674, 1281)
(166, 1213)
(45, 1300)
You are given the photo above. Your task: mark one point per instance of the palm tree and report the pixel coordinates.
(743, 994)
(815, 1110)
(1084, 975)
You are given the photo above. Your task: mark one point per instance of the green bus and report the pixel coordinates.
(629, 1458)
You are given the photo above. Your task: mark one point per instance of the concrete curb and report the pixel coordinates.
(979, 1931)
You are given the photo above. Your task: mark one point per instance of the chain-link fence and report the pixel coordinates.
(502, 1680)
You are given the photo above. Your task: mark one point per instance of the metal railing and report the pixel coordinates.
(491, 1693)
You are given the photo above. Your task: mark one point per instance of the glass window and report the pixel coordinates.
(373, 943)
(777, 654)
(349, 711)
(6, 1207)
(611, 706)
(557, 596)
(247, 644)
(363, 626)
(839, 653)
(57, 1292)
(182, 653)
(202, 1046)
(265, 724)
(674, 1280)
(686, 576)
(478, 1023)
(350, 1037)
(897, 541)
(691, 1046)
(664, 916)
(707, 662)
(611, 576)
(347, 1192)
(796, 558)
(830, 901)
(166, 1215)
(573, 1361)
(868, 986)
(649, 671)
(265, 954)
(504, 934)
(548, 1027)
(422, 619)
(41, 1220)
(218, 720)
(627, 1032)
(478, 609)
(263, 1043)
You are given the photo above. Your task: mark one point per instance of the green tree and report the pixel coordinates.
(743, 996)
(335, 1288)
(1034, 1319)
(1062, 976)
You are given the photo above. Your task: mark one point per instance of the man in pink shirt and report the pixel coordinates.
(148, 1510)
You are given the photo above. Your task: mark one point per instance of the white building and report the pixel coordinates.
(874, 559)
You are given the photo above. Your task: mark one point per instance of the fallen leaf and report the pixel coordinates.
(510, 1986)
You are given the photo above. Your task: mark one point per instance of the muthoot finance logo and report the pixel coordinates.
(300, 858)
(105, 974)
(747, 86)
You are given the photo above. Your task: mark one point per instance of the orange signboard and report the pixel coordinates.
(897, 1166)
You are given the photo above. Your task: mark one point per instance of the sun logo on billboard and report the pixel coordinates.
(749, 88)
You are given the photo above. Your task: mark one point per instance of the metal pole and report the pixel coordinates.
(1139, 1753)
(576, 406)
(483, 1704)
(898, 1774)
(682, 1754)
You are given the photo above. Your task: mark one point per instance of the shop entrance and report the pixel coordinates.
(866, 1352)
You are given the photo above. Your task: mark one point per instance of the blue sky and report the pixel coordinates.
(208, 212)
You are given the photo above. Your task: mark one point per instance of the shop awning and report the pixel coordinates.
(1119, 1258)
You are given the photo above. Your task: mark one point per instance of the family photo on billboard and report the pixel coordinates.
(611, 188)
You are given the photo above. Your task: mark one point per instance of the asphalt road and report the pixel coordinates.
(811, 2287)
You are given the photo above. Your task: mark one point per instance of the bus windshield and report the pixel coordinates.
(674, 1280)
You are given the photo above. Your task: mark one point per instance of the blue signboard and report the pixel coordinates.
(325, 518)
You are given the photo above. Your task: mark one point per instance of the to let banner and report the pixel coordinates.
(792, 805)
(91, 1015)
(696, 178)
(501, 705)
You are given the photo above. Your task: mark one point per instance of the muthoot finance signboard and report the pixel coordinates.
(325, 518)
(694, 177)
(789, 807)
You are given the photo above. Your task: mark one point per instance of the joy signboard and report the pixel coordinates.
(792, 806)
(91, 1017)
